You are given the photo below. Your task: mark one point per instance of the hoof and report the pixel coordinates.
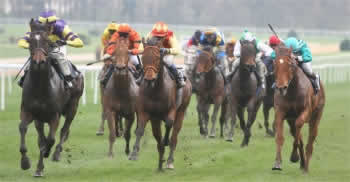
(47, 154)
(211, 136)
(38, 174)
(99, 133)
(244, 144)
(229, 139)
(270, 133)
(127, 152)
(277, 169)
(56, 157)
(110, 155)
(170, 166)
(133, 157)
(294, 158)
(25, 163)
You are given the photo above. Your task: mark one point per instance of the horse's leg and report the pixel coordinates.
(142, 119)
(168, 125)
(157, 133)
(313, 130)
(129, 121)
(302, 118)
(118, 125)
(176, 130)
(213, 120)
(266, 109)
(200, 116)
(53, 125)
(100, 131)
(111, 119)
(26, 119)
(42, 148)
(301, 152)
(223, 117)
(233, 119)
(240, 114)
(294, 157)
(205, 117)
(65, 130)
(252, 111)
(279, 139)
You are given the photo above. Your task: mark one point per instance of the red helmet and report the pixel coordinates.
(160, 29)
(274, 40)
(124, 28)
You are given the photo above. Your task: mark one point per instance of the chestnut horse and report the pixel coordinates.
(158, 101)
(210, 91)
(229, 52)
(45, 99)
(296, 102)
(120, 95)
(244, 92)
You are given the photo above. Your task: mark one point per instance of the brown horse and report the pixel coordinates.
(244, 92)
(120, 95)
(45, 99)
(158, 101)
(229, 52)
(210, 91)
(268, 102)
(296, 102)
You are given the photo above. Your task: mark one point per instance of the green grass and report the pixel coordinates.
(196, 159)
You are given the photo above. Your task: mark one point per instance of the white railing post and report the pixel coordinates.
(9, 82)
(96, 86)
(2, 105)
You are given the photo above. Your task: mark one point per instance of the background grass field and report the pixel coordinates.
(85, 155)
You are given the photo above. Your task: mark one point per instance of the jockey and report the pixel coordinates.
(108, 32)
(274, 41)
(303, 55)
(135, 45)
(62, 35)
(194, 40)
(170, 49)
(261, 47)
(213, 38)
(231, 42)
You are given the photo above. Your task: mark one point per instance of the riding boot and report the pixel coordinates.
(180, 80)
(306, 67)
(261, 73)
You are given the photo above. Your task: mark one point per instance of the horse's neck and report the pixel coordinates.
(123, 82)
(297, 84)
(211, 77)
(39, 80)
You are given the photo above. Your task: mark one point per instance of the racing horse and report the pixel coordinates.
(210, 91)
(45, 99)
(159, 100)
(244, 92)
(120, 95)
(296, 102)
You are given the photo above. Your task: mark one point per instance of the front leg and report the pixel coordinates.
(168, 125)
(26, 119)
(279, 117)
(142, 119)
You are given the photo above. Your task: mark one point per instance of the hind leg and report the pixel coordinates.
(26, 119)
(253, 107)
(223, 118)
(313, 131)
(42, 148)
(213, 120)
(157, 133)
(65, 130)
(176, 130)
(128, 124)
(101, 129)
(233, 107)
(142, 119)
(266, 110)
(294, 157)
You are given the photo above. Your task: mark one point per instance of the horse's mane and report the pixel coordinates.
(248, 49)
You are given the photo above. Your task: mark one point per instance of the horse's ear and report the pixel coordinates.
(143, 41)
(290, 52)
(31, 23)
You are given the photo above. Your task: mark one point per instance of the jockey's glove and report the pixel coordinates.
(106, 56)
(134, 51)
(61, 42)
(164, 51)
(300, 58)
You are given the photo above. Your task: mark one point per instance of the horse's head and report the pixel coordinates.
(121, 55)
(151, 59)
(248, 55)
(38, 41)
(206, 61)
(285, 66)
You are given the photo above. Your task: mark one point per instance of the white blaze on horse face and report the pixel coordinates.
(281, 61)
(37, 37)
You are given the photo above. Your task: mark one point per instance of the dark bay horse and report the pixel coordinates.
(45, 99)
(120, 95)
(244, 92)
(296, 102)
(158, 101)
(210, 91)
(268, 102)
